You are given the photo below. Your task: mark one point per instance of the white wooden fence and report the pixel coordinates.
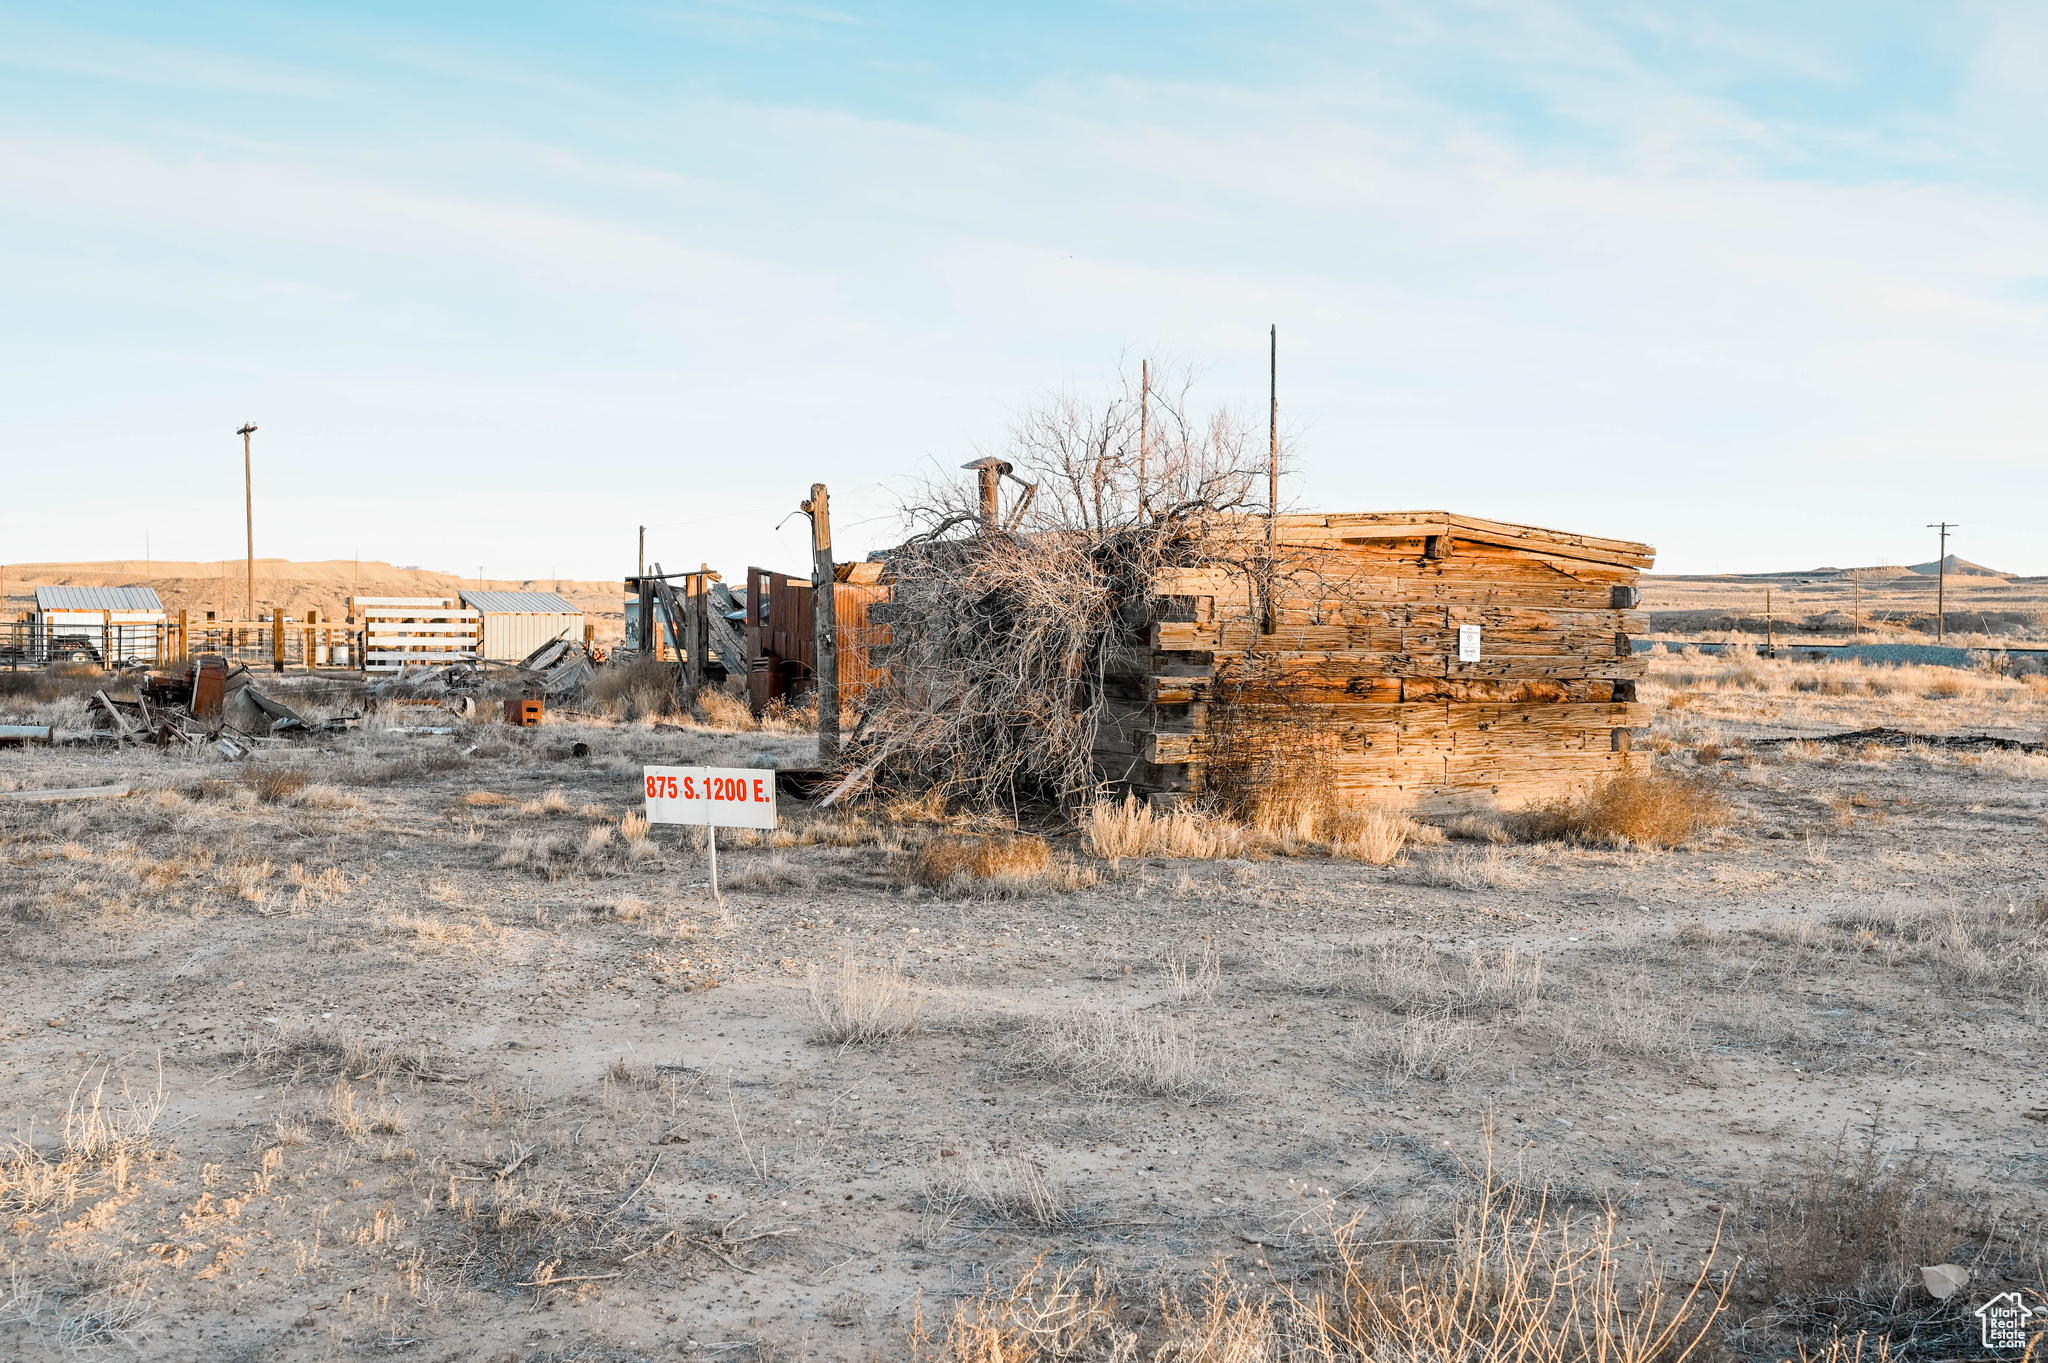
(415, 631)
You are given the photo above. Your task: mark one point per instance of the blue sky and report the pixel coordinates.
(1765, 285)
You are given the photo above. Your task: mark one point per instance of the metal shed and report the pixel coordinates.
(97, 624)
(517, 623)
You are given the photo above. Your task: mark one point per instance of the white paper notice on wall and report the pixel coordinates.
(1468, 643)
(724, 797)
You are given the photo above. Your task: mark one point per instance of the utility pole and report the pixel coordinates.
(1272, 470)
(249, 512)
(824, 622)
(643, 551)
(1941, 582)
(1770, 630)
(1144, 433)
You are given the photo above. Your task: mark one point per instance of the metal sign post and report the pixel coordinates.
(715, 797)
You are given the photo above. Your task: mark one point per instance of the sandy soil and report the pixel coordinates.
(430, 1058)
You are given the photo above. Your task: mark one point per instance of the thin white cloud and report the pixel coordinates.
(120, 61)
(1653, 331)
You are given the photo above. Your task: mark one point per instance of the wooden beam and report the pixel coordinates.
(825, 623)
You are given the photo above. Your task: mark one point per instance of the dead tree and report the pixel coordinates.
(1006, 625)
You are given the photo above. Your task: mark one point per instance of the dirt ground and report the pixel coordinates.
(414, 1046)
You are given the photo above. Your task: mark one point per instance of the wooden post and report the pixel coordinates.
(824, 623)
(306, 642)
(249, 511)
(650, 643)
(277, 639)
(696, 610)
(184, 637)
(1144, 433)
(1272, 474)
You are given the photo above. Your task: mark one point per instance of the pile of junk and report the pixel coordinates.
(214, 702)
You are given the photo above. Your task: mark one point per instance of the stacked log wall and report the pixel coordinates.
(1364, 638)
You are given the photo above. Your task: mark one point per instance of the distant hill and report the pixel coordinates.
(1957, 567)
(283, 584)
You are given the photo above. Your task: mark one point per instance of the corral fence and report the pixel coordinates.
(401, 631)
(277, 641)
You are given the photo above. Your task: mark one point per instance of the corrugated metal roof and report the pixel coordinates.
(97, 599)
(520, 603)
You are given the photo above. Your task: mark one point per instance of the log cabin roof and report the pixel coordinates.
(1363, 526)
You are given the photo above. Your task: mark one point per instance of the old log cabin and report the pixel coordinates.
(1422, 660)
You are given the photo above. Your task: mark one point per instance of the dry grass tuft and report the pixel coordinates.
(1065, 1313)
(1373, 836)
(358, 1121)
(719, 710)
(1840, 1249)
(330, 797)
(1641, 806)
(273, 784)
(485, 799)
(1116, 1050)
(636, 690)
(105, 1140)
(1011, 1189)
(1001, 862)
(863, 1005)
(1193, 976)
(1479, 828)
(1433, 1046)
(1292, 825)
(1461, 870)
(553, 802)
(1512, 1278)
(1413, 978)
(1134, 828)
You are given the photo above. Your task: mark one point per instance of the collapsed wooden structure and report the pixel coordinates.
(781, 632)
(1423, 660)
(765, 631)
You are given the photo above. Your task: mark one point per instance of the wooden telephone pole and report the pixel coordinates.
(249, 512)
(1272, 471)
(1144, 433)
(1941, 582)
(824, 622)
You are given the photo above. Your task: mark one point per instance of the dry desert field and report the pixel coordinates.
(425, 1046)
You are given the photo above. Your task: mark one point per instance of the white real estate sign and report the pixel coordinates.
(721, 797)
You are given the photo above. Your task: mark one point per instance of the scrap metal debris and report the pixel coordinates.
(190, 710)
(561, 668)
